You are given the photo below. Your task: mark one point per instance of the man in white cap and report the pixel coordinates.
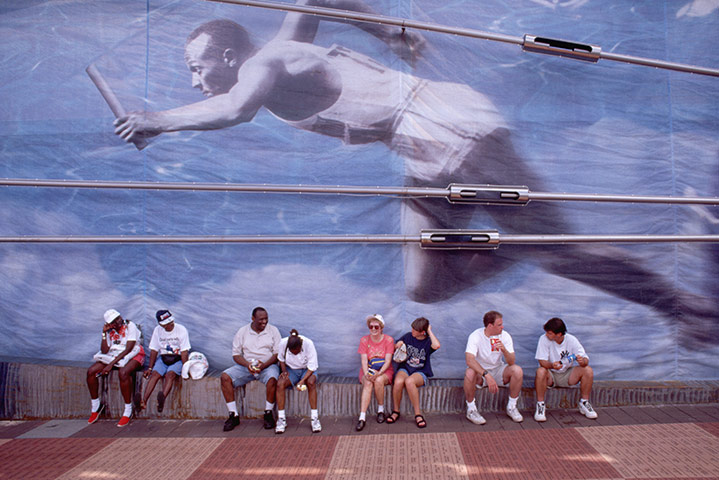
(121, 348)
(171, 342)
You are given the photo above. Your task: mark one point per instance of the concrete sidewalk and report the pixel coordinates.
(623, 443)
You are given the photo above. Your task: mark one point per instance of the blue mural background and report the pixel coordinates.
(604, 128)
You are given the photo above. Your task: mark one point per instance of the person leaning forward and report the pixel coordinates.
(254, 350)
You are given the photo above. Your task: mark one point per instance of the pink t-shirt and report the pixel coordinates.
(377, 350)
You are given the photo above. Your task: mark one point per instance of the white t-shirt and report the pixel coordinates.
(552, 351)
(307, 358)
(480, 345)
(170, 343)
(252, 345)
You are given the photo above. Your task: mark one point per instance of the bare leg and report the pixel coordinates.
(271, 390)
(125, 374)
(379, 385)
(154, 378)
(228, 390)
(168, 382)
(513, 375)
(282, 385)
(397, 387)
(542, 381)
(366, 395)
(585, 377)
(413, 383)
(470, 385)
(93, 383)
(312, 391)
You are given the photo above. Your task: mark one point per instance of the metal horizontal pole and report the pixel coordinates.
(230, 187)
(454, 193)
(529, 43)
(430, 239)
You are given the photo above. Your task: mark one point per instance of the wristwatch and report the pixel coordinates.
(484, 373)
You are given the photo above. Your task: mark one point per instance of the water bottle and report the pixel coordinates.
(254, 364)
(566, 361)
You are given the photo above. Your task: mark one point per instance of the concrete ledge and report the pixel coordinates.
(30, 391)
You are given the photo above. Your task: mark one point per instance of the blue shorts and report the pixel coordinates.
(241, 376)
(162, 368)
(296, 374)
(424, 377)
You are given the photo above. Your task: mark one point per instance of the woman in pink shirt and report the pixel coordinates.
(375, 351)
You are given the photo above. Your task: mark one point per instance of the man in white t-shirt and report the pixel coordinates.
(254, 350)
(171, 342)
(490, 362)
(562, 363)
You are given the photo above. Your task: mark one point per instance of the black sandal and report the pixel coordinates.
(419, 420)
(394, 416)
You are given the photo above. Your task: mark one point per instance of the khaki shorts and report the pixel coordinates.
(496, 373)
(561, 379)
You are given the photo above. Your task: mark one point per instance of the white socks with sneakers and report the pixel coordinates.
(94, 404)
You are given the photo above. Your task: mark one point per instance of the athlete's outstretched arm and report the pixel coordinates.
(303, 28)
(259, 75)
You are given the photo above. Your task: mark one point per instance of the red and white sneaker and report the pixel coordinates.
(123, 421)
(94, 416)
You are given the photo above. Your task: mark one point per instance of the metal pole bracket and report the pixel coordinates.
(562, 48)
(459, 239)
(488, 194)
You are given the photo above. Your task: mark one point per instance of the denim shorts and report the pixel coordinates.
(424, 377)
(296, 374)
(241, 376)
(162, 368)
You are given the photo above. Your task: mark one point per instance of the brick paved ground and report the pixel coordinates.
(670, 442)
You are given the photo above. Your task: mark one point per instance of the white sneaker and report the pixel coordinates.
(475, 417)
(316, 425)
(585, 408)
(514, 414)
(281, 425)
(540, 413)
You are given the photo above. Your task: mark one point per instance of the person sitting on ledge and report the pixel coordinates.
(557, 352)
(171, 342)
(298, 362)
(121, 348)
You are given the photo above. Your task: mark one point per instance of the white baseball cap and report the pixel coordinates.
(111, 315)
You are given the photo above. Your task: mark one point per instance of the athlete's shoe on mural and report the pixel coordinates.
(514, 414)
(585, 408)
(95, 415)
(231, 422)
(540, 413)
(124, 421)
(475, 417)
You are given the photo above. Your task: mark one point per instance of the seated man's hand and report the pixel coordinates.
(147, 373)
(106, 370)
(491, 384)
(582, 361)
(557, 366)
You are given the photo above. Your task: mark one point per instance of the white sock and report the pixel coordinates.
(128, 410)
(584, 400)
(512, 403)
(94, 404)
(362, 416)
(232, 407)
(280, 414)
(380, 408)
(540, 403)
(314, 414)
(471, 406)
(269, 406)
